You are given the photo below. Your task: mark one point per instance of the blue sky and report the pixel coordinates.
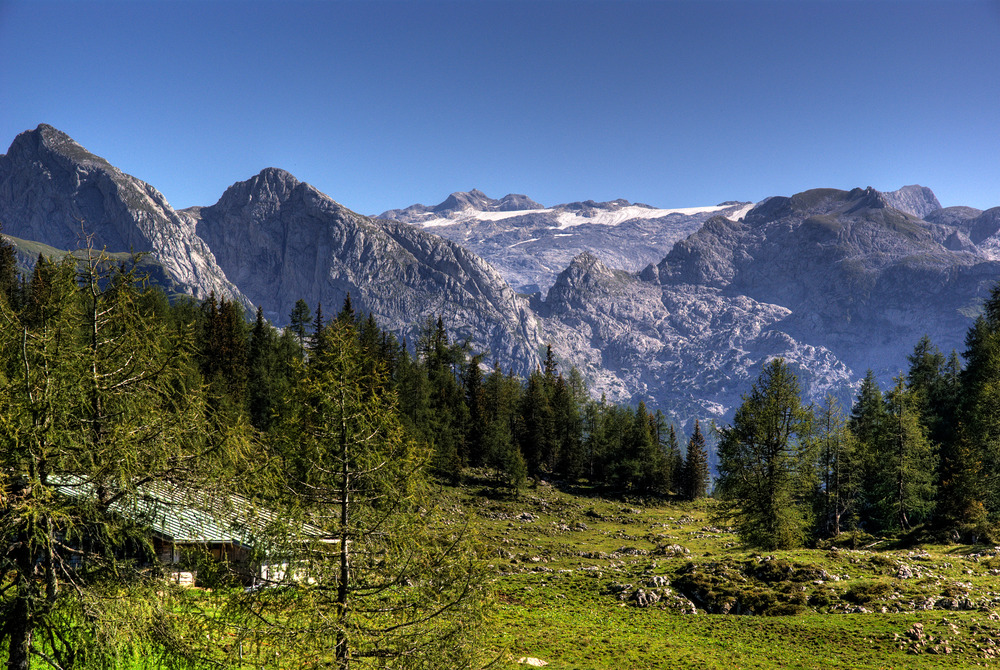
(384, 104)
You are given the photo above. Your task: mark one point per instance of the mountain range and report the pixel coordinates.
(530, 244)
(679, 308)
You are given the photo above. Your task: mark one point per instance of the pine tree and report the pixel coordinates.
(759, 462)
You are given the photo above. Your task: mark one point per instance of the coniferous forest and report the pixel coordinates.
(326, 442)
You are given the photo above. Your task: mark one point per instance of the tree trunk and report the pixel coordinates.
(20, 629)
(342, 649)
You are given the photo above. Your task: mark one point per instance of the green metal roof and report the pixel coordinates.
(185, 516)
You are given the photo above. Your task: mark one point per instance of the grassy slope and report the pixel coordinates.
(558, 576)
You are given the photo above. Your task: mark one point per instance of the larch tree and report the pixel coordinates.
(381, 577)
(96, 407)
(838, 468)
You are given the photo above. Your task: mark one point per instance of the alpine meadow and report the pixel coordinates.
(449, 335)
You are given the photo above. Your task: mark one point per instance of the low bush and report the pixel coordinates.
(866, 592)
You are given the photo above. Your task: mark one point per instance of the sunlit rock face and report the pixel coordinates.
(54, 191)
(282, 240)
(677, 308)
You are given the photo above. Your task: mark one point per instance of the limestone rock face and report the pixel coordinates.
(860, 278)
(530, 244)
(54, 191)
(690, 350)
(281, 240)
(918, 201)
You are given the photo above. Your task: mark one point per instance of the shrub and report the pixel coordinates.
(865, 592)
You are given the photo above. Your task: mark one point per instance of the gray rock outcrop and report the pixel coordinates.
(859, 277)
(918, 201)
(530, 244)
(688, 349)
(52, 190)
(281, 240)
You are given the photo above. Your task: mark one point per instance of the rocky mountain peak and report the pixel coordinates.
(478, 201)
(516, 202)
(584, 272)
(867, 198)
(474, 199)
(260, 195)
(46, 144)
(586, 262)
(914, 199)
(54, 191)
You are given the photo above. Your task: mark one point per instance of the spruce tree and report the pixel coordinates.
(299, 320)
(536, 436)
(317, 343)
(501, 400)
(760, 462)
(912, 463)
(678, 478)
(568, 427)
(869, 423)
(475, 400)
(970, 478)
(9, 285)
(696, 465)
(444, 362)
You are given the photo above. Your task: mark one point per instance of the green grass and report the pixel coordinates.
(566, 560)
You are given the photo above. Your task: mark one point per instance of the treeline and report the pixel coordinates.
(921, 456)
(471, 416)
(293, 442)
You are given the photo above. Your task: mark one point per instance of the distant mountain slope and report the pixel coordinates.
(860, 277)
(529, 244)
(691, 350)
(282, 240)
(679, 308)
(27, 253)
(54, 191)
